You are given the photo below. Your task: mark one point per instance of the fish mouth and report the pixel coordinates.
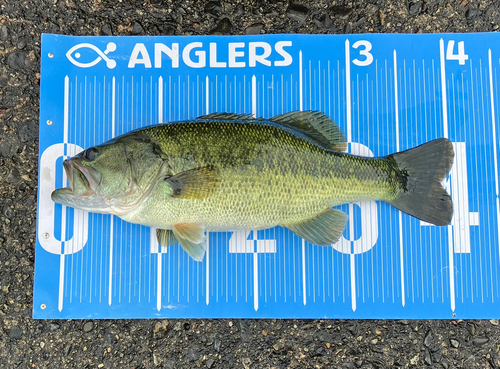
(82, 180)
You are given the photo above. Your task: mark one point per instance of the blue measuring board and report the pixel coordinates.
(387, 92)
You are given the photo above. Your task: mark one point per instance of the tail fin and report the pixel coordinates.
(419, 173)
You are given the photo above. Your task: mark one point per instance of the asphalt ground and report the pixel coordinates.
(28, 343)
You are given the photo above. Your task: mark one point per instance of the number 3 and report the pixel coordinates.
(365, 52)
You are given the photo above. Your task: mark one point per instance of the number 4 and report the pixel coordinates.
(461, 56)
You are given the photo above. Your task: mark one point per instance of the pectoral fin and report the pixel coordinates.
(196, 183)
(191, 237)
(166, 237)
(323, 229)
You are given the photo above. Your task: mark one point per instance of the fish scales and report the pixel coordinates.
(269, 176)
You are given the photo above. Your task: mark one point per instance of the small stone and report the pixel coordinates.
(210, 363)
(323, 20)
(238, 10)
(454, 342)
(106, 30)
(217, 344)
(87, 327)
(21, 45)
(414, 7)
(177, 326)
(328, 345)
(427, 357)
(4, 33)
(428, 338)
(230, 324)
(99, 352)
(494, 322)
(246, 362)
(156, 361)
(382, 17)
(137, 29)
(472, 14)
(17, 60)
(264, 333)
(53, 327)
(341, 11)
(414, 360)
(374, 342)
(163, 325)
(100, 365)
(353, 328)
(276, 347)
(245, 333)
(192, 355)
(437, 356)
(297, 13)
(254, 29)
(213, 7)
(42, 344)
(27, 131)
(15, 332)
(479, 341)
(14, 176)
(223, 27)
(472, 328)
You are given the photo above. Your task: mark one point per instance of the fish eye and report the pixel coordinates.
(92, 153)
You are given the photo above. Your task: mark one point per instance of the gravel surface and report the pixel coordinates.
(26, 343)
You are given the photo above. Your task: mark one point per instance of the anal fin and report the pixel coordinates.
(323, 229)
(191, 237)
(166, 237)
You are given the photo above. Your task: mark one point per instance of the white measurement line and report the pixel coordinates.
(400, 215)
(159, 271)
(111, 230)
(349, 139)
(153, 238)
(160, 99)
(207, 94)
(255, 253)
(301, 106)
(255, 274)
(63, 214)
(207, 275)
(207, 270)
(254, 96)
(493, 125)
(353, 281)
(304, 297)
(348, 89)
(451, 267)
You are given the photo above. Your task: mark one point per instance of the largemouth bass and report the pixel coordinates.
(225, 172)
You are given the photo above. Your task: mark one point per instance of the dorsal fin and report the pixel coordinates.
(227, 116)
(317, 126)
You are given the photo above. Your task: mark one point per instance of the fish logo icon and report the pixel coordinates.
(110, 47)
